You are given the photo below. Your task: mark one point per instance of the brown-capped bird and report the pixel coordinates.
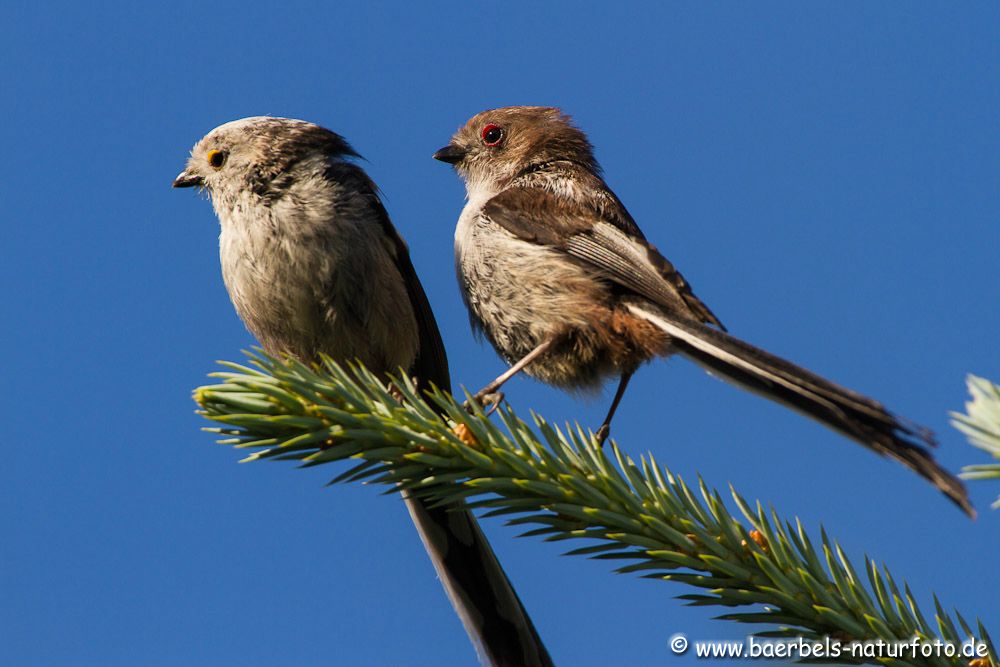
(559, 278)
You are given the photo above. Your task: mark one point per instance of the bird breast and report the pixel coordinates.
(520, 294)
(306, 285)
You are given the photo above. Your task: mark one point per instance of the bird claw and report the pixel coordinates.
(602, 435)
(485, 398)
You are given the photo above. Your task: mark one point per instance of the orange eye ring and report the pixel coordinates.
(216, 158)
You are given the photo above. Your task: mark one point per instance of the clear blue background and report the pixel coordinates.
(825, 175)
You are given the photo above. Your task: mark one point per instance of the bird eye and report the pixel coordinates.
(216, 158)
(492, 135)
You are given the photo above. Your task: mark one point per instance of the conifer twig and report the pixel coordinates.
(760, 568)
(981, 425)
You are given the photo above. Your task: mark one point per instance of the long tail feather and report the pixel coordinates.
(475, 582)
(860, 418)
(477, 586)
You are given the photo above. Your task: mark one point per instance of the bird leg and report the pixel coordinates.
(490, 390)
(605, 429)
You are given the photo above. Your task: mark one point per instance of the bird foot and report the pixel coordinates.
(602, 435)
(486, 399)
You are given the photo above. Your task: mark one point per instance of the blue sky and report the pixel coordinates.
(825, 175)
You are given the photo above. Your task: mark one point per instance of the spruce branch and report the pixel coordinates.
(761, 568)
(981, 425)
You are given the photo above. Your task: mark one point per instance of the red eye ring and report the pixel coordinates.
(492, 134)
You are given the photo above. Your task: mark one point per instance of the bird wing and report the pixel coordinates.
(617, 251)
(431, 364)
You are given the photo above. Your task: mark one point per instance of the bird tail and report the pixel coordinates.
(477, 586)
(858, 417)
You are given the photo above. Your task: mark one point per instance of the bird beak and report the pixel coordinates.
(186, 180)
(451, 154)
